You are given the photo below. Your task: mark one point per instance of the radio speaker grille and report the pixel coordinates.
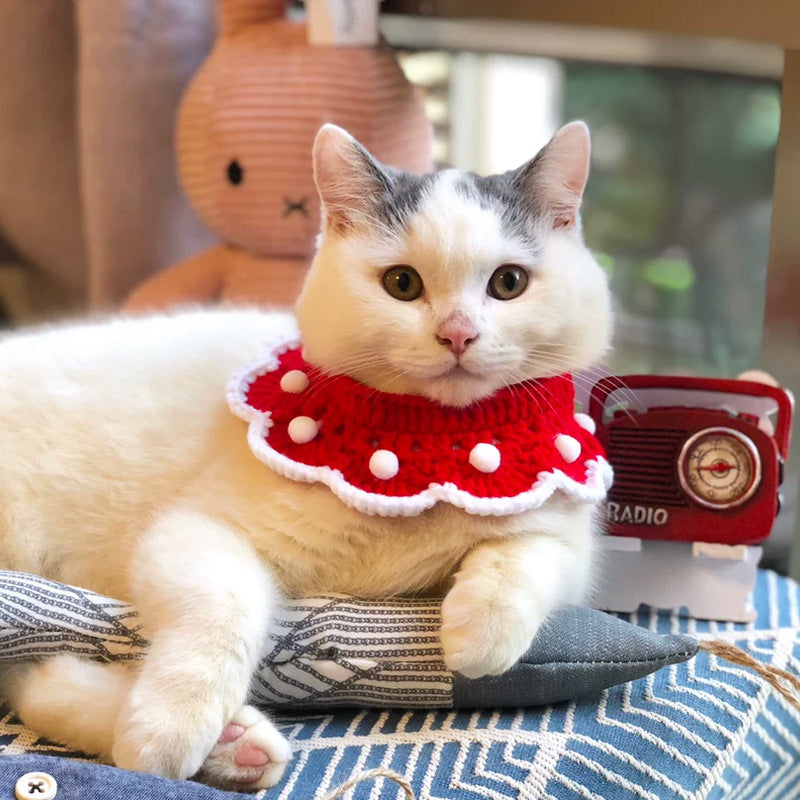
(645, 463)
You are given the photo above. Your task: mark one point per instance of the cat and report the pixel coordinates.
(123, 471)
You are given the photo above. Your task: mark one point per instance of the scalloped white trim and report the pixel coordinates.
(598, 471)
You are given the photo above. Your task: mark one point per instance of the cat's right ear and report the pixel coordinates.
(554, 181)
(348, 178)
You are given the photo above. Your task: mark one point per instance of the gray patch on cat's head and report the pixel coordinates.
(394, 195)
(402, 197)
(398, 195)
(504, 195)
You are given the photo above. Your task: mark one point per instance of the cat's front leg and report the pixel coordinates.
(205, 600)
(504, 590)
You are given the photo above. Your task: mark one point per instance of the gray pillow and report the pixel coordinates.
(340, 651)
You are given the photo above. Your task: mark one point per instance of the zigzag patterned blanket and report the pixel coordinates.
(699, 730)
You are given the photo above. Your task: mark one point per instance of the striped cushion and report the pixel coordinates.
(338, 651)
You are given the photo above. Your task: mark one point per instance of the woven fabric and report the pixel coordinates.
(434, 447)
(702, 730)
(331, 651)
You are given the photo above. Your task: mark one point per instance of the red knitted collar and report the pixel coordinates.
(397, 455)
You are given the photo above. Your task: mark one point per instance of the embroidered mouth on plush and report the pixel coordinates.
(397, 455)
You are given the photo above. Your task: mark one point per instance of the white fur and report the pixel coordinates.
(561, 323)
(122, 470)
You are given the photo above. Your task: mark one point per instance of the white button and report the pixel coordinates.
(294, 381)
(384, 464)
(484, 457)
(36, 784)
(586, 422)
(302, 430)
(569, 448)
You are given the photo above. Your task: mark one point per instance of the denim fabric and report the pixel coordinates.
(78, 780)
(577, 653)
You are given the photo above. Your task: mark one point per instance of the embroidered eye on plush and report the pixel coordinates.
(402, 282)
(507, 282)
(235, 172)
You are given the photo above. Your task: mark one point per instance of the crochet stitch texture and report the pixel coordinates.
(314, 427)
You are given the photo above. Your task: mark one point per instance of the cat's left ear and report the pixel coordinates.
(555, 179)
(348, 178)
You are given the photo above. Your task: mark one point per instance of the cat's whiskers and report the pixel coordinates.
(587, 382)
(391, 375)
(581, 381)
(346, 366)
(534, 391)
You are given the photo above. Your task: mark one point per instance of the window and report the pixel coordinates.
(678, 206)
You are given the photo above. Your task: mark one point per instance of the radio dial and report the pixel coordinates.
(719, 468)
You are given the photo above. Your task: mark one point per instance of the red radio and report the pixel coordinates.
(695, 459)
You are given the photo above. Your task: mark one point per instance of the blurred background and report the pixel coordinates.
(678, 206)
(677, 209)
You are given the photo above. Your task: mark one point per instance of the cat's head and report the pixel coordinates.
(449, 285)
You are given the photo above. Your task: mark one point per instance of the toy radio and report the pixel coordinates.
(695, 459)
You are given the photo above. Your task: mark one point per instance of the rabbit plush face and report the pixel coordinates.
(247, 123)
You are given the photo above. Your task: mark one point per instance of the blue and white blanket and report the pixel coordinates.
(700, 730)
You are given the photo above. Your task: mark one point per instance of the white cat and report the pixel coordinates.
(122, 469)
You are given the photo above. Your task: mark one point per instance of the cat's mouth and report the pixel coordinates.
(458, 371)
(453, 371)
(460, 380)
(450, 381)
(458, 385)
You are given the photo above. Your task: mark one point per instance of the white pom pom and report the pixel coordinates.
(294, 381)
(302, 430)
(569, 448)
(384, 464)
(586, 422)
(484, 457)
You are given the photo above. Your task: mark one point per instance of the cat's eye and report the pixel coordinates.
(235, 172)
(402, 282)
(507, 282)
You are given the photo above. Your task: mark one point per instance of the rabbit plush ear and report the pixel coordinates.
(234, 15)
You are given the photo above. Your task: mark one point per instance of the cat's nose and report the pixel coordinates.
(457, 332)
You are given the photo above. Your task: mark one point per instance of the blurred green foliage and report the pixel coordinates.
(679, 201)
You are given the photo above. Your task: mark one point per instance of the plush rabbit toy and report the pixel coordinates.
(245, 129)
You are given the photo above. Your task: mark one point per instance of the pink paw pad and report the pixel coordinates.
(248, 756)
(231, 733)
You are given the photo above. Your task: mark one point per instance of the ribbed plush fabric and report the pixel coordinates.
(259, 100)
(431, 448)
(237, 14)
(245, 130)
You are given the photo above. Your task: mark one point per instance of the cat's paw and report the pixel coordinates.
(167, 740)
(485, 628)
(249, 755)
